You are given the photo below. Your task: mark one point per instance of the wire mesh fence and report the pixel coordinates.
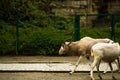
(45, 36)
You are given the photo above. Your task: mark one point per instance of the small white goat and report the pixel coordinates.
(107, 52)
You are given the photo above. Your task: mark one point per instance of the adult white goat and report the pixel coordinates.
(107, 52)
(84, 45)
(81, 47)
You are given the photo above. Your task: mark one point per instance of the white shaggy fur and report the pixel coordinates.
(107, 52)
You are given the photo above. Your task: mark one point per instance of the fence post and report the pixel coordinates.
(77, 28)
(17, 34)
(112, 27)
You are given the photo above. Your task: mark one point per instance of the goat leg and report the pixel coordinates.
(113, 78)
(118, 64)
(76, 65)
(98, 71)
(95, 62)
(105, 71)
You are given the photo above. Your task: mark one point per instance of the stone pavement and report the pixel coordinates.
(49, 66)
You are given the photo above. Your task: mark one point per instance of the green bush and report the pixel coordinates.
(43, 41)
(96, 32)
(7, 39)
(42, 34)
(117, 25)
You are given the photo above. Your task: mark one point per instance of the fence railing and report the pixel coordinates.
(77, 23)
(77, 26)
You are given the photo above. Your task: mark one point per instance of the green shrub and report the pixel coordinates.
(96, 32)
(7, 39)
(117, 25)
(43, 41)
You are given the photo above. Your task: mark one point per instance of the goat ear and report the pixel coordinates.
(64, 44)
(110, 41)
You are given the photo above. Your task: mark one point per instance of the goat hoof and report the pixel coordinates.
(100, 77)
(92, 79)
(119, 71)
(104, 73)
(116, 70)
(113, 78)
(70, 73)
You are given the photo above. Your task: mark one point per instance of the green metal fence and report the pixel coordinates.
(78, 24)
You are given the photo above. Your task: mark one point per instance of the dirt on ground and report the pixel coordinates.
(39, 58)
(48, 75)
(51, 76)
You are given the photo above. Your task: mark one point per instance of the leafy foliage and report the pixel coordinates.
(40, 30)
(43, 42)
(7, 38)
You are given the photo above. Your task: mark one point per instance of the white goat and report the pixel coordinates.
(85, 45)
(107, 52)
(81, 47)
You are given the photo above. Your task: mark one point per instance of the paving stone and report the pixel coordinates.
(49, 67)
